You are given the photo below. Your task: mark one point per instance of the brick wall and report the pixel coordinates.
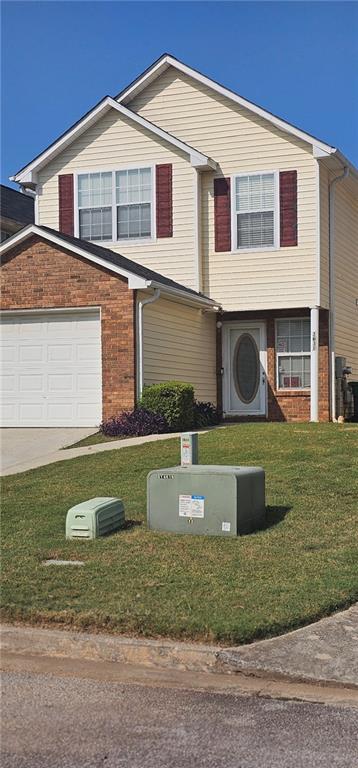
(39, 275)
(290, 405)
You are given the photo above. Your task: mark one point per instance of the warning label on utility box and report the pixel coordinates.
(191, 506)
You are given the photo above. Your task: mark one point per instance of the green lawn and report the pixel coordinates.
(302, 566)
(98, 437)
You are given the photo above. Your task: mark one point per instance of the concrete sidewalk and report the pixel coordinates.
(52, 455)
(325, 653)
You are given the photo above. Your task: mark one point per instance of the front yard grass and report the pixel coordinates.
(302, 566)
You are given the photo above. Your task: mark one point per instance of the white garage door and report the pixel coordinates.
(51, 372)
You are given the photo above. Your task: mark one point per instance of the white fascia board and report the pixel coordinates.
(168, 61)
(32, 229)
(187, 298)
(197, 159)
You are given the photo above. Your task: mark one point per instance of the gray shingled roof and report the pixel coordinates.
(16, 206)
(120, 261)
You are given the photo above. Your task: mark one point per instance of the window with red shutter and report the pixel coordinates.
(164, 200)
(66, 204)
(222, 214)
(288, 208)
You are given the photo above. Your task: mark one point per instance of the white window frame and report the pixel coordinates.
(124, 242)
(276, 212)
(290, 354)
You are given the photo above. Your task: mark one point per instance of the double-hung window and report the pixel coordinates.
(134, 203)
(255, 211)
(115, 205)
(95, 206)
(293, 355)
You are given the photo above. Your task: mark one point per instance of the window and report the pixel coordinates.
(293, 345)
(115, 205)
(255, 211)
(134, 201)
(95, 206)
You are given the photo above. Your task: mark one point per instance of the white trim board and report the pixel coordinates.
(28, 173)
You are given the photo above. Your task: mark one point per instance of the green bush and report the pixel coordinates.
(174, 400)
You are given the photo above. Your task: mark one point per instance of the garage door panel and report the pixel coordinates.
(31, 382)
(51, 370)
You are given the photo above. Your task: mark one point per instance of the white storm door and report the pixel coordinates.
(51, 372)
(245, 364)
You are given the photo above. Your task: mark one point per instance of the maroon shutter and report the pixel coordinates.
(222, 213)
(288, 208)
(66, 204)
(164, 200)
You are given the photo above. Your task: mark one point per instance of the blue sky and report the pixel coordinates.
(299, 60)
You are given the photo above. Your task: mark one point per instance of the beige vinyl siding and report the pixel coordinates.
(179, 342)
(112, 143)
(241, 142)
(324, 177)
(346, 274)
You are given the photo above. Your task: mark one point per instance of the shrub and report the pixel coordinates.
(135, 423)
(174, 400)
(205, 415)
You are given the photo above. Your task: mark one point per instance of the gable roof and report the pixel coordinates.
(26, 174)
(320, 147)
(138, 276)
(16, 206)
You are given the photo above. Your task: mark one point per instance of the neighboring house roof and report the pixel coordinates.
(167, 60)
(139, 277)
(197, 159)
(16, 206)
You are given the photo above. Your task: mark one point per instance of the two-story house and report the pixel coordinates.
(181, 232)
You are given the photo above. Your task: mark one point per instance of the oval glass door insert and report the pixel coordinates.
(246, 367)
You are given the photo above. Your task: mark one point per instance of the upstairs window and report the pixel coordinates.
(293, 353)
(134, 203)
(255, 224)
(95, 206)
(115, 205)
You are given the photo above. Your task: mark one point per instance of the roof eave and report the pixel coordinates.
(28, 174)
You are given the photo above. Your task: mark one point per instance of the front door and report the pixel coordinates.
(244, 358)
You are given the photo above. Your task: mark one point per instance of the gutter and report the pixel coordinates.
(141, 304)
(332, 286)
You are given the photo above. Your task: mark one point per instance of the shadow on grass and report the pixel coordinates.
(131, 524)
(274, 516)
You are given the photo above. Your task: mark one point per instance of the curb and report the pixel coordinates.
(190, 657)
(154, 654)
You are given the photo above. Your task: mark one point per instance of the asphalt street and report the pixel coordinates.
(57, 720)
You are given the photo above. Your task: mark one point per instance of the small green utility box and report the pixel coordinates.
(95, 517)
(211, 500)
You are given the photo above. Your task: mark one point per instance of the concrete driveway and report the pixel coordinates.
(22, 446)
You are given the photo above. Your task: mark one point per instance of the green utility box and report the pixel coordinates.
(95, 517)
(211, 500)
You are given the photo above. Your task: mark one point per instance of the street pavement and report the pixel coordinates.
(57, 717)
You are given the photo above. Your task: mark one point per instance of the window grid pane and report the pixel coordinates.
(95, 223)
(133, 221)
(255, 230)
(94, 189)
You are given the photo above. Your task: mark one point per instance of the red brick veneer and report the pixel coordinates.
(40, 275)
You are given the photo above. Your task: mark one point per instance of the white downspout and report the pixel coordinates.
(142, 303)
(332, 287)
(197, 231)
